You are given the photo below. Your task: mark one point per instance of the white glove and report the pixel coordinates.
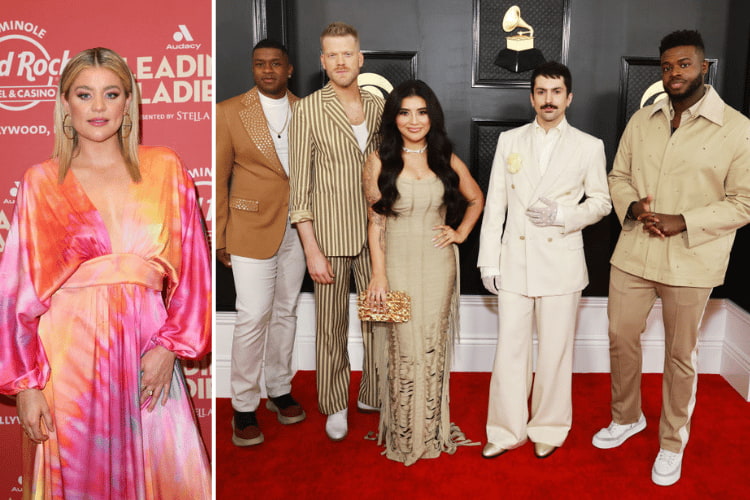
(492, 283)
(545, 216)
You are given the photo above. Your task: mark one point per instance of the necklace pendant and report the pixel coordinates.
(283, 128)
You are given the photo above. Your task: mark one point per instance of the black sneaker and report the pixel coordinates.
(245, 430)
(287, 409)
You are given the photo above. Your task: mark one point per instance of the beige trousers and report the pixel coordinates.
(508, 423)
(332, 335)
(630, 301)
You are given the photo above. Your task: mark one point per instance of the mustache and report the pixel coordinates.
(549, 106)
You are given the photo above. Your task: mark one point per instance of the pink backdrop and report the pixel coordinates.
(167, 44)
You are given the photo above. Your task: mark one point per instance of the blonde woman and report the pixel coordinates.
(104, 282)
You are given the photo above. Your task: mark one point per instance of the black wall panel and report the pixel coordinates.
(440, 32)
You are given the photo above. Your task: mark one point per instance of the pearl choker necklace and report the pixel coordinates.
(420, 150)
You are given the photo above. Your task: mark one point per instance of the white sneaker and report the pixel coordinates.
(336, 425)
(667, 468)
(365, 408)
(616, 434)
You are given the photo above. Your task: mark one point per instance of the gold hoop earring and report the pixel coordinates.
(68, 129)
(126, 127)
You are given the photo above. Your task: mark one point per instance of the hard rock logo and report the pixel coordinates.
(28, 72)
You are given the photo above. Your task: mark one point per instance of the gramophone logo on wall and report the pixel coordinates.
(519, 54)
(375, 84)
(507, 46)
(655, 92)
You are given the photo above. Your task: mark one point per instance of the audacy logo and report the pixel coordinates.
(182, 35)
(18, 487)
(14, 191)
(27, 69)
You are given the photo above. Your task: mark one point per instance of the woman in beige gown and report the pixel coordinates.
(423, 202)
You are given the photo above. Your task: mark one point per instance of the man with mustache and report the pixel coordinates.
(256, 240)
(680, 185)
(531, 256)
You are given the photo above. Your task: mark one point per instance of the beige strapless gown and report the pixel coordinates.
(415, 420)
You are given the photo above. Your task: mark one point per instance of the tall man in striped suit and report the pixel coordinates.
(332, 132)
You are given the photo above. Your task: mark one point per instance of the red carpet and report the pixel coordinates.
(299, 461)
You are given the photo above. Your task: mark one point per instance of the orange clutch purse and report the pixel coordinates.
(397, 308)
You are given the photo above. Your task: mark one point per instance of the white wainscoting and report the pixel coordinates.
(735, 361)
(724, 344)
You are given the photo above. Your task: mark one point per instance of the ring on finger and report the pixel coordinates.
(151, 392)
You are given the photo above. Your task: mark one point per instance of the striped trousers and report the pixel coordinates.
(332, 332)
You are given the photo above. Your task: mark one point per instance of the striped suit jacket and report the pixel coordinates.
(325, 165)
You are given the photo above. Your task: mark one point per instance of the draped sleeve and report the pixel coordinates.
(187, 330)
(23, 362)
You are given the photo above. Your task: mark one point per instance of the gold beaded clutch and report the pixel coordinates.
(397, 308)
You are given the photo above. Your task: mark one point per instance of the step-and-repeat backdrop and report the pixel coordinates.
(167, 44)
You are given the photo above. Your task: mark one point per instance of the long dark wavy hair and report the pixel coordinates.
(439, 151)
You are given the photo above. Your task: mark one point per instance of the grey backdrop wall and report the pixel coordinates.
(440, 31)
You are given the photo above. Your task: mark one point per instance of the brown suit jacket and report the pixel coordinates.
(252, 189)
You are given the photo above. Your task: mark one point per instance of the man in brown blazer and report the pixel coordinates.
(333, 130)
(255, 239)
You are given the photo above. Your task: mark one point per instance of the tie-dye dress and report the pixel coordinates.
(77, 312)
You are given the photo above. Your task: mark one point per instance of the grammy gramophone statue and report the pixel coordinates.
(519, 54)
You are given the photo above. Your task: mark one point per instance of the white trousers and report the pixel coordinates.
(508, 423)
(267, 292)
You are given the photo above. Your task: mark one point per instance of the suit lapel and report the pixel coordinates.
(372, 116)
(530, 173)
(254, 121)
(564, 149)
(335, 112)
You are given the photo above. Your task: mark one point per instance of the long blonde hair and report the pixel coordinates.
(65, 147)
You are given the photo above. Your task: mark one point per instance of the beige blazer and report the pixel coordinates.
(325, 163)
(701, 171)
(538, 261)
(252, 189)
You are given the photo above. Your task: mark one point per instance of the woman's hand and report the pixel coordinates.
(156, 375)
(446, 236)
(32, 411)
(376, 292)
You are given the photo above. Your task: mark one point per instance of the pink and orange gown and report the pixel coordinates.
(77, 312)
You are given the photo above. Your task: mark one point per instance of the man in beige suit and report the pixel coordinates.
(681, 188)
(531, 256)
(333, 131)
(255, 239)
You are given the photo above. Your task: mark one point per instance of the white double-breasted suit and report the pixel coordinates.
(542, 271)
